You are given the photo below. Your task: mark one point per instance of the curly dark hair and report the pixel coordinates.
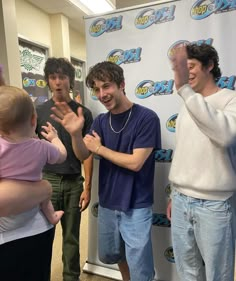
(59, 65)
(105, 71)
(206, 54)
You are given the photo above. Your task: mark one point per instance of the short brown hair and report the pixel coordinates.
(105, 71)
(205, 54)
(16, 108)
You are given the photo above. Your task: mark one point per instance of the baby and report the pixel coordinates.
(22, 156)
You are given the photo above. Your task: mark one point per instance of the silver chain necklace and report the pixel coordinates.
(126, 122)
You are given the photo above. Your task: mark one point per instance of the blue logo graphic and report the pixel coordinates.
(147, 88)
(119, 56)
(227, 82)
(163, 155)
(160, 220)
(148, 17)
(204, 8)
(99, 26)
(171, 122)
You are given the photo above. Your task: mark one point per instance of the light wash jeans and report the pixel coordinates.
(127, 236)
(203, 233)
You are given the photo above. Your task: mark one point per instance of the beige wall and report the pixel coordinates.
(77, 40)
(32, 23)
(35, 25)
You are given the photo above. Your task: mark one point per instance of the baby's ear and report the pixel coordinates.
(34, 119)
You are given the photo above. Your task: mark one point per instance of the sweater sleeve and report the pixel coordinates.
(219, 125)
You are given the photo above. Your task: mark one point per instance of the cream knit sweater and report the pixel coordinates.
(204, 162)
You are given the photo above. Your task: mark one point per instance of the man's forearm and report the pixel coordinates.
(133, 162)
(19, 196)
(79, 147)
(88, 172)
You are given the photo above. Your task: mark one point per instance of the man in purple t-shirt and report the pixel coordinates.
(125, 139)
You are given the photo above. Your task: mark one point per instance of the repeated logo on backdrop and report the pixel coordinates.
(148, 17)
(119, 56)
(163, 155)
(101, 25)
(227, 82)
(204, 8)
(147, 88)
(142, 21)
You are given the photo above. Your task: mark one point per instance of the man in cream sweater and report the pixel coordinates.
(202, 173)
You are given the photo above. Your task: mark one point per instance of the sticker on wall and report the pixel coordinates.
(168, 190)
(94, 209)
(169, 254)
(171, 122)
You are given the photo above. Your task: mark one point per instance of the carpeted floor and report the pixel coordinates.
(56, 274)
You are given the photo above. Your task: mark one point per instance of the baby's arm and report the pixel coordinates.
(50, 133)
(48, 210)
(19, 196)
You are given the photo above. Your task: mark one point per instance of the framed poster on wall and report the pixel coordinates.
(78, 91)
(33, 58)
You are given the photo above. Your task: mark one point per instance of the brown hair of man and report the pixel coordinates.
(105, 71)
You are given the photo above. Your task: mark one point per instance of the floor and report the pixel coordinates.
(56, 273)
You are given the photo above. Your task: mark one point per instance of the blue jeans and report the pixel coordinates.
(127, 236)
(203, 233)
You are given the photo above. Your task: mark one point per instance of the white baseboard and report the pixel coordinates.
(102, 271)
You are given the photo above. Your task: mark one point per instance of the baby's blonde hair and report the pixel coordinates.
(16, 108)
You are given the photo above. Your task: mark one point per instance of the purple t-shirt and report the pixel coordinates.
(25, 160)
(120, 188)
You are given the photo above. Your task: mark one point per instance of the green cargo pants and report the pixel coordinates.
(67, 190)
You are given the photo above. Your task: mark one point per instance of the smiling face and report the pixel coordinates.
(199, 76)
(110, 95)
(59, 84)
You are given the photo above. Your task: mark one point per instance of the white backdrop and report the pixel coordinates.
(140, 40)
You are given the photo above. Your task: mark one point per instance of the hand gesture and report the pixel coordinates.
(49, 132)
(67, 118)
(84, 200)
(93, 142)
(180, 67)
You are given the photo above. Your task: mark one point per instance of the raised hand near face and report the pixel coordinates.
(67, 118)
(180, 67)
